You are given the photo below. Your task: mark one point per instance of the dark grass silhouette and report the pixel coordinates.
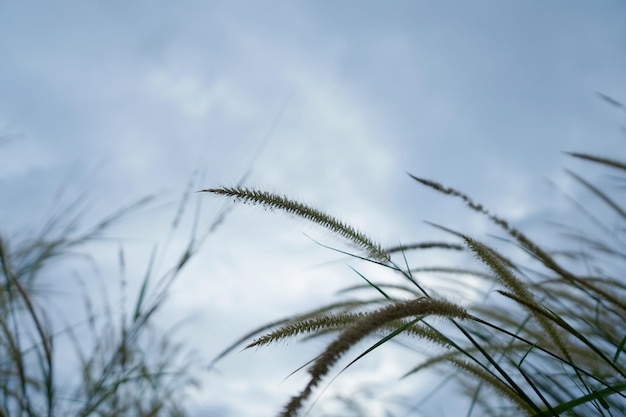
(548, 342)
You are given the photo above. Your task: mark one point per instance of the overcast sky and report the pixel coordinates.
(332, 102)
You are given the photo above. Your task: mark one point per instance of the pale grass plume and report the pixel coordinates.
(554, 345)
(276, 201)
(363, 328)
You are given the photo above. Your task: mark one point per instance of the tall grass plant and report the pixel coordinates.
(543, 335)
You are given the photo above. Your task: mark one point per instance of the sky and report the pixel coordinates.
(330, 102)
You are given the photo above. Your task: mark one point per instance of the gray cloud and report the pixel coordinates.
(482, 97)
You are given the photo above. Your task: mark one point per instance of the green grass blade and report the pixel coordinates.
(594, 396)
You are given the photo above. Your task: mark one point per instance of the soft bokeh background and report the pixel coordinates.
(331, 102)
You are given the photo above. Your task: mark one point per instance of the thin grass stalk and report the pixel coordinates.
(424, 245)
(500, 370)
(275, 201)
(547, 352)
(599, 160)
(562, 323)
(601, 195)
(496, 384)
(596, 395)
(47, 366)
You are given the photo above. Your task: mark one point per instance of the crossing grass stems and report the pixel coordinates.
(548, 342)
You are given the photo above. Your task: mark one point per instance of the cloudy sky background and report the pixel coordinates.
(331, 102)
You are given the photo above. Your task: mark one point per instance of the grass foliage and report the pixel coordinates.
(108, 359)
(544, 335)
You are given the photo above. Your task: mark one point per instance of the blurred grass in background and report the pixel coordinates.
(111, 358)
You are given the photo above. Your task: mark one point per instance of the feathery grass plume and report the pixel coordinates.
(307, 326)
(361, 329)
(525, 242)
(430, 334)
(275, 201)
(525, 298)
(518, 287)
(519, 236)
(342, 306)
(554, 345)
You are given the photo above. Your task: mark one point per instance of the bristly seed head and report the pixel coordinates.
(275, 201)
